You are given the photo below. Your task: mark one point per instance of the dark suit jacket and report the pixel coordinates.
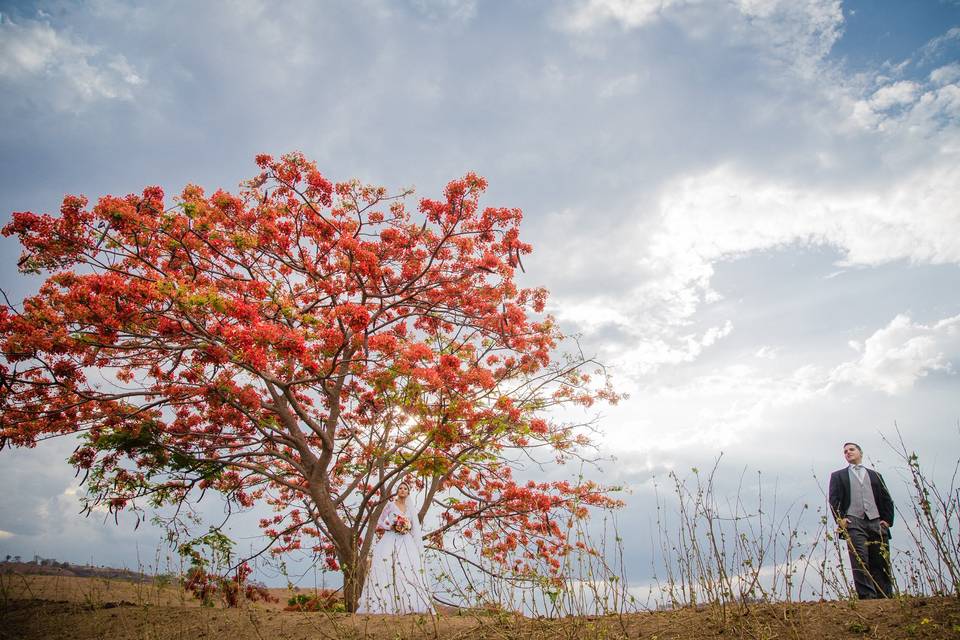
(839, 496)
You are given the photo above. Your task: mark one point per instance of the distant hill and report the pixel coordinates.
(53, 568)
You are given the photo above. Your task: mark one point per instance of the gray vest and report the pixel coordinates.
(862, 502)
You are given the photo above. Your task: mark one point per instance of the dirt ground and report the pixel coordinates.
(60, 607)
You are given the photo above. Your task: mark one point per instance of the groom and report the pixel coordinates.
(863, 509)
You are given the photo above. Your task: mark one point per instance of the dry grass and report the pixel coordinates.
(52, 607)
(90, 591)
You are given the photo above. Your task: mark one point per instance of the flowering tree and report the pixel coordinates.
(303, 343)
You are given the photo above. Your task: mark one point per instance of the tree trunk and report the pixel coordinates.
(354, 576)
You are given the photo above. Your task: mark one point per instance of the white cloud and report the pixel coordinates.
(896, 94)
(725, 213)
(895, 357)
(766, 352)
(802, 31)
(947, 74)
(650, 352)
(932, 109)
(926, 110)
(936, 46)
(630, 14)
(591, 315)
(729, 211)
(712, 410)
(735, 401)
(61, 68)
(5, 534)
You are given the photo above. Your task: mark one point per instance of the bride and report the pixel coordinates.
(396, 581)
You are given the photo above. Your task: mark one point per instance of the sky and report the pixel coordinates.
(747, 209)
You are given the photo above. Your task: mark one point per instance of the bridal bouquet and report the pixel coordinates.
(401, 525)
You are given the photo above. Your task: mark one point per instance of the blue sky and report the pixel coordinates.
(748, 209)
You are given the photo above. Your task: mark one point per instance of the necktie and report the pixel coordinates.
(858, 469)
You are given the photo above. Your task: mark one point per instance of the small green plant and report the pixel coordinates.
(858, 627)
(323, 600)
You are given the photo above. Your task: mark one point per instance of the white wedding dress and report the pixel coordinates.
(396, 582)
